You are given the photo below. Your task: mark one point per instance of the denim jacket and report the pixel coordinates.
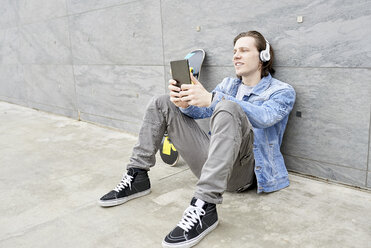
(267, 108)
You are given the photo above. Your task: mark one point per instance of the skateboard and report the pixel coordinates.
(168, 152)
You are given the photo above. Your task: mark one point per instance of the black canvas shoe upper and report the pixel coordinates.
(196, 219)
(134, 181)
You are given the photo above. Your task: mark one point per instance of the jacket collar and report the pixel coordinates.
(263, 84)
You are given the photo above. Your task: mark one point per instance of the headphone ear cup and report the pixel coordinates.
(265, 56)
(261, 56)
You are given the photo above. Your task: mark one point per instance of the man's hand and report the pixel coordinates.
(195, 94)
(175, 96)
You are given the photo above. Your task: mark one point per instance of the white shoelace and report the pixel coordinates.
(125, 181)
(190, 217)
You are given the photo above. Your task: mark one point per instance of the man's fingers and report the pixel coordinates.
(185, 93)
(187, 86)
(186, 98)
(190, 101)
(172, 81)
(175, 94)
(173, 88)
(175, 99)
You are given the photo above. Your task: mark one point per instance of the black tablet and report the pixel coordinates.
(180, 71)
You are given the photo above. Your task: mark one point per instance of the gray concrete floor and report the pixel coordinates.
(53, 169)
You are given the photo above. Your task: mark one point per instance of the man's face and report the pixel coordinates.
(246, 57)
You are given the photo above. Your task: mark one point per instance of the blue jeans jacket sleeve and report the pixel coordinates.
(197, 112)
(274, 109)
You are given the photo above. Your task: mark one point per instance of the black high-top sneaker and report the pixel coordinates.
(135, 183)
(198, 220)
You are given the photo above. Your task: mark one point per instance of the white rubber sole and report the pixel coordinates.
(116, 202)
(191, 242)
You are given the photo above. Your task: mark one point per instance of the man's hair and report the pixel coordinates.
(260, 44)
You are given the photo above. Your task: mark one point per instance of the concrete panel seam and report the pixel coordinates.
(121, 64)
(173, 174)
(76, 98)
(107, 117)
(116, 129)
(206, 65)
(162, 42)
(43, 21)
(68, 15)
(118, 64)
(295, 67)
(319, 161)
(329, 181)
(49, 105)
(368, 154)
(8, 99)
(107, 7)
(321, 67)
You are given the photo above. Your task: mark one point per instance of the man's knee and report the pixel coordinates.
(162, 103)
(160, 99)
(228, 106)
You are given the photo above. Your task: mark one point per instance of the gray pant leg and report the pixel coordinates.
(230, 158)
(189, 139)
(230, 147)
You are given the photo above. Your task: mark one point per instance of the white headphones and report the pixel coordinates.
(265, 55)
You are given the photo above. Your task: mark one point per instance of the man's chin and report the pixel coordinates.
(238, 75)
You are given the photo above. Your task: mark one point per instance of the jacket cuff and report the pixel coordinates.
(218, 96)
(186, 110)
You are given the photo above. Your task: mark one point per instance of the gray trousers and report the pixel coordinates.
(222, 161)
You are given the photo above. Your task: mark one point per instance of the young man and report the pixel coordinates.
(248, 118)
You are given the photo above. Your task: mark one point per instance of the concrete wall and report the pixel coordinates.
(102, 60)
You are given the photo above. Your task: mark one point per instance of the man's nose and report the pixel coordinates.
(236, 56)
